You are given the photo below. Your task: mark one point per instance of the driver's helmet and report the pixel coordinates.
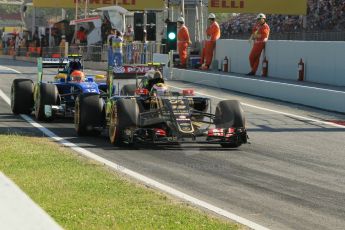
(152, 78)
(77, 76)
(159, 89)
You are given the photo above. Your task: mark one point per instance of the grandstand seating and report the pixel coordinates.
(322, 16)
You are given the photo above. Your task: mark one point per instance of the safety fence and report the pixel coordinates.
(133, 53)
(295, 36)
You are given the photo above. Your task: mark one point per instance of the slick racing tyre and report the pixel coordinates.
(128, 90)
(47, 94)
(124, 114)
(89, 113)
(22, 96)
(229, 114)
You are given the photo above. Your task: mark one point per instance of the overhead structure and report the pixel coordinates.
(93, 4)
(116, 16)
(287, 7)
(11, 2)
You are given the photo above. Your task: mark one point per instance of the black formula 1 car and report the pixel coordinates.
(145, 114)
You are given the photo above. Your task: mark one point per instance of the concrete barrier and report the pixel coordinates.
(323, 60)
(323, 98)
(319, 97)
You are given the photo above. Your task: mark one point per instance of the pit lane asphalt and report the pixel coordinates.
(291, 176)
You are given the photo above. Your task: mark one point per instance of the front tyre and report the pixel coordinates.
(229, 114)
(88, 114)
(47, 94)
(124, 114)
(22, 96)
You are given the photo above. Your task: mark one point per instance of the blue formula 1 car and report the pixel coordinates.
(57, 98)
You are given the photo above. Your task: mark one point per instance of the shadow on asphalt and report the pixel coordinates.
(22, 128)
(9, 63)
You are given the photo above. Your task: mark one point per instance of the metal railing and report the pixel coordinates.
(133, 53)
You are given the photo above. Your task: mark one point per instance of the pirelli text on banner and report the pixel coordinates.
(127, 4)
(288, 7)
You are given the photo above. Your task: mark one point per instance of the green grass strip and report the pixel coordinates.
(81, 194)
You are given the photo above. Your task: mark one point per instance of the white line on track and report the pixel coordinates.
(9, 69)
(138, 176)
(270, 110)
(272, 82)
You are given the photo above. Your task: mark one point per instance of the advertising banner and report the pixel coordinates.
(287, 7)
(127, 4)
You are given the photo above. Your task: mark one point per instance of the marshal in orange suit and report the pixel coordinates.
(260, 34)
(213, 34)
(183, 41)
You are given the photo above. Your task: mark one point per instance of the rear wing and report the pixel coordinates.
(60, 62)
(54, 62)
(133, 70)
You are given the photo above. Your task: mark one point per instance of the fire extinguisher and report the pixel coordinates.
(301, 70)
(265, 67)
(225, 64)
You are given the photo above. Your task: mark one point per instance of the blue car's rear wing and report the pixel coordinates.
(60, 62)
(54, 62)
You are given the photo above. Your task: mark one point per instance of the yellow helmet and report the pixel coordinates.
(159, 89)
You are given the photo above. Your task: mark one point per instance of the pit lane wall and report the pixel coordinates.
(322, 98)
(305, 95)
(324, 61)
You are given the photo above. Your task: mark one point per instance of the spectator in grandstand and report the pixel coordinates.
(117, 48)
(36, 39)
(213, 34)
(322, 15)
(260, 34)
(143, 55)
(110, 39)
(81, 36)
(129, 38)
(164, 34)
(105, 30)
(62, 45)
(129, 34)
(183, 41)
(17, 44)
(22, 43)
(44, 40)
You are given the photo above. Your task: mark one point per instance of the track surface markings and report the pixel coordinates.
(136, 175)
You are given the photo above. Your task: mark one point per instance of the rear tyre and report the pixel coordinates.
(229, 114)
(124, 114)
(22, 96)
(128, 90)
(88, 114)
(47, 94)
